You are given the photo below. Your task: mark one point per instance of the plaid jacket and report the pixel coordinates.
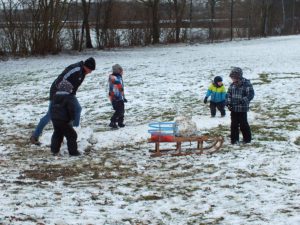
(239, 95)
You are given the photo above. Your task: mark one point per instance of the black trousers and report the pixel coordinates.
(217, 105)
(63, 129)
(118, 116)
(239, 122)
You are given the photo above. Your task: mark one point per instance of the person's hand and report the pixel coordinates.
(125, 100)
(205, 100)
(229, 107)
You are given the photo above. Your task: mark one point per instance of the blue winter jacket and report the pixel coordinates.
(116, 87)
(217, 93)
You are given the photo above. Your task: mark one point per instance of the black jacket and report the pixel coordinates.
(63, 107)
(74, 74)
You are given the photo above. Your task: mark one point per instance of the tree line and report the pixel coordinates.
(29, 27)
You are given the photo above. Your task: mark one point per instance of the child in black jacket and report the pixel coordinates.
(62, 116)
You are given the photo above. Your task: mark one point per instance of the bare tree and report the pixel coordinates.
(104, 11)
(34, 26)
(283, 16)
(74, 24)
(153, 5)
(212, 7)
(231, 19)
(179, 7)
(85, 24)
(265, 16)
(293, 16)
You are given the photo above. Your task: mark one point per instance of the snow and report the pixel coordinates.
(116, 181)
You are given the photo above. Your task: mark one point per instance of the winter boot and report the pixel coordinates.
(121, 124)
(75, 153)
(113, 125)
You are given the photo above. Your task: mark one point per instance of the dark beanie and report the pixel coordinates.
(217, 79)
(236, 73)
(90, 63)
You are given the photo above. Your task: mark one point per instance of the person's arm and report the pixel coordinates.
(114, 80)
(229, 96)
(209, 91)
(249, 92)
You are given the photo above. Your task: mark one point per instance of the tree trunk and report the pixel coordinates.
(264, 19)
(86, 12)
(250, 24)
(231, 20)
(212, 18)
(155, 22)
(293, 17)
(177, 21)
(283, 16)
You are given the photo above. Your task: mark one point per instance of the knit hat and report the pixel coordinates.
(116, 68)
(65, 85)
(236, 73)
(218, 79)
(90, 63)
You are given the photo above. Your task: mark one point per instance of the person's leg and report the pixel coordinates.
(234, 127)
(114, 118)
(71, 137)
(121, 112)
(245, 128)
(78, 110)
(212, 106)
(41, 125)
(221, 108)
(57, 137)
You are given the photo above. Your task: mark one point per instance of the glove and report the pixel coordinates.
(125, 100)
(229, 107)
(205, 100)
(71, 123)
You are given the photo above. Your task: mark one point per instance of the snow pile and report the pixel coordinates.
(185, 126)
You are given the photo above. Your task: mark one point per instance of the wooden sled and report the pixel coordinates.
(202, 145)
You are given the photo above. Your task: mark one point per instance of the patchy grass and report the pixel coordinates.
(265, 133)
(264, 77)
(297, 141)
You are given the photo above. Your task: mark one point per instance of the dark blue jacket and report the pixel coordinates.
(74, 74)
(63, 107)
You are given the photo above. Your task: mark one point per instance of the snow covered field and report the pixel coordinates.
(115, 181)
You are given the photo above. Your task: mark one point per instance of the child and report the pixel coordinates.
(240, 94)
(62, 111)
(218, 95)
(116, 96)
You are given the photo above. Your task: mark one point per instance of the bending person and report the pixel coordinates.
(74, 74)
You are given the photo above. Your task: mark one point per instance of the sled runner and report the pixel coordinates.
(165, 133)
(202, 145)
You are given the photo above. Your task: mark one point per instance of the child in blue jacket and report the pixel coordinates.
(116, 96)
(217, 93)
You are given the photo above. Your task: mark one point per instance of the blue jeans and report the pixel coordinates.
(46, 119)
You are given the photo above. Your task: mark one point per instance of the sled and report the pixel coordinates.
(197, 145)
(167, 133)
